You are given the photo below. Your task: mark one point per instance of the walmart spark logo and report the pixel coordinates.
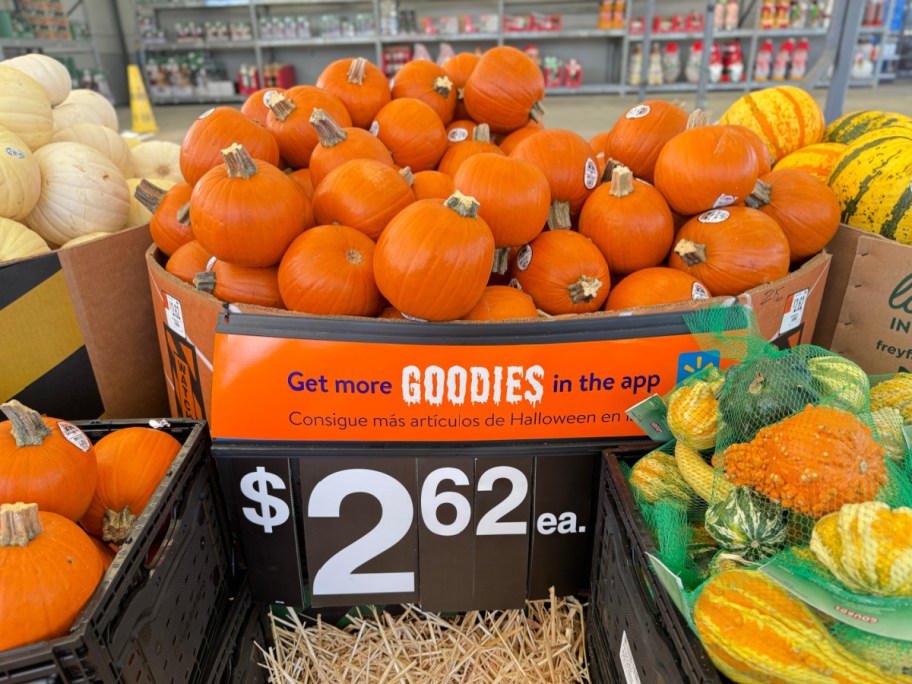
(693, 362)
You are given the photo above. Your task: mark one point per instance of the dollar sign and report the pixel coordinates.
(272, 511)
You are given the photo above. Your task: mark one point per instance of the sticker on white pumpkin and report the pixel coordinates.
(714, 216)
(591, 174)
(374, 129)
(698, 291)
(524, 257)
(638, 112)
(724, 200)
(13, 152)
(206, 113)
(74, 436)
(457, 135)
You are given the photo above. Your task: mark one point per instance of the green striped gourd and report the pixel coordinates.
(656, 477)
(840, 382)
(817, 160)
(745, 524)
(849, 127)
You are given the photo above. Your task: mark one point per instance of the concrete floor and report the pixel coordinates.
(585, 114)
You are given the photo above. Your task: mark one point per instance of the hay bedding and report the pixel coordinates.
(544, 644)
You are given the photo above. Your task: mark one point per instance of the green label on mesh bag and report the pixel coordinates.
(651, 417)
(883, 620)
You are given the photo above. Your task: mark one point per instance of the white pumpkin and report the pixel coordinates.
(88, 237)
(110, 143)
(24, 108)
(139, 215)
(95, 107)
(53, 76)
(157, 159)
(81, 192)
(20, 177)
(18, 242)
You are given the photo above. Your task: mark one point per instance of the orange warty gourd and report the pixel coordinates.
(289, 121)
(247, 285)
(339, 145)
(329, 271)
(45, 461)
(502, 303)
(215, 130)
(731, 250)
(514, 200)
(131, 463)
(804, 207)
(629, 222)
(456, 155)
(428, 82)
(362, 193)
(818, 160)
(509, 143)
(432, 184)
(359, 85)
(247, 212)
(50, 569)
(505, 90)
(255, 107)
(170, 223)
(564, 273)
(639, 135)
(705, 167)
(304, 181)
(764, 161)
(654, 286)
(459, 130)
(433, 260)
(569, 165)
(412, 132)
(188, 260)
(459, 68)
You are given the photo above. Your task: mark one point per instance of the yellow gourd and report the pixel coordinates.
(693, 413)
(708, 483)
(888, 422)
(895, 393)
(656, 477)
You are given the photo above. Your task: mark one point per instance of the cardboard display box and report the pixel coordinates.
(867, 311)
(185, 320)
(76, 331)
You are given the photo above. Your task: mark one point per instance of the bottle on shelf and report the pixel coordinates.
(800, 59)
(635, 65)
(606, 15)
(719, 16)
(767, 15)
(732, 9)
(783, 60)
(764, 61)
(715, 64)
(671, 63)
(618, 20)
(782, 14)
(733, 63)
(654, 70)
(694, 62)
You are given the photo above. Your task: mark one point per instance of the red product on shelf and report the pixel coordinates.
(547, 22)
(732, 63)
(573, 74)
(764, 62)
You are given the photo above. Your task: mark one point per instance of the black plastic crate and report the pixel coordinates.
(236, 658)
(632, 621)
(154, 615)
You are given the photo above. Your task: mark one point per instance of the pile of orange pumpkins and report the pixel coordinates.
(441, 196)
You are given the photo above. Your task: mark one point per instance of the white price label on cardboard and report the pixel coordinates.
(794, 311)
(174, 315)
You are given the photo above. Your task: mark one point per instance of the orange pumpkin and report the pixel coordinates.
(654, 286)
(339, 145)
(188, 260)
(131, 464)
(432, 184)
(362, 193)
(359, 85)
(432, 261)
(502, 303)
(255, 106)
(459, 68)
(412, 132)
(392, 313)
(509, 143)
(215, 130)
(289, 120)
(456, 155)
(600, 143)
(764, 161)
(505, 90)
(629, 222)
(105, 552)
(638, 136)
(329, 271)
(50, 569)
(45, 461)
(564, 272)
(731, 250)
(168, 230)
(247, 285)
(428, 82)
(304, 181)
(459, 131)
(247, 212)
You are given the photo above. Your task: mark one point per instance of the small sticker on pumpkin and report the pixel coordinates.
(74, 436)
(714, 216)
(638, 112)
(266, 97)
(698, 291)
(208, 112)
(524, 257)
(13, 152)
(724, 200)
(515, 284)
(413, 318)
(374, 129)
(591, 174)
(457, 135)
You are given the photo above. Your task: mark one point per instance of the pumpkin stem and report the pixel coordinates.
(116, 526)
(356, 71)
(465, 206)
(608, 173)
(281, 106)
(149, 195)
(28, 427)
(621, 182)
(559, 215)
(443, 86)
(501, 260)
(354, 256)
(460, 92)
(183, 214)
(239, 162)
(482, 133)
(537, 112)
(205, 281)
(760, 196)
(585, 289)
(19, 523)
(328, 131)
(696, 119)
(406, 172)
(690, 252)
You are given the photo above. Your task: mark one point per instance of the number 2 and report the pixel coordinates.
(491, 523)
(337, 576)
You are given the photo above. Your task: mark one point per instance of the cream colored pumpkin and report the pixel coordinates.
(20, 178)
(139, 215)
(82, 239)
(18, 241)
(53, 76)
(24, 108)
(81, 192)
(108, 142)
(95, 106)
(157, 159)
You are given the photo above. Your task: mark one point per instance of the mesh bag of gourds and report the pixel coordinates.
(794, 461)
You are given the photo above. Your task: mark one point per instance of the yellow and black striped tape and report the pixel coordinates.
(43, 358)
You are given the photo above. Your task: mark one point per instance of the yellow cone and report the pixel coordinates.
(140, 108)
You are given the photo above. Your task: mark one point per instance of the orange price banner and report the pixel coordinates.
(337, 390)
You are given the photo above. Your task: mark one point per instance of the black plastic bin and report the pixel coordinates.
(236, 658)
(154, 616)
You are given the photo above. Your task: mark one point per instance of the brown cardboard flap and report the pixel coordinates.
(108, 283)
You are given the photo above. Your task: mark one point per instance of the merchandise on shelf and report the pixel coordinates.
(732, 63)
(795, 14)
(654, 68)
(611, 15)
(671, 63)
(764, 62)
(635, 66)
(187, 75)
(783, 60)
(694, 62)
